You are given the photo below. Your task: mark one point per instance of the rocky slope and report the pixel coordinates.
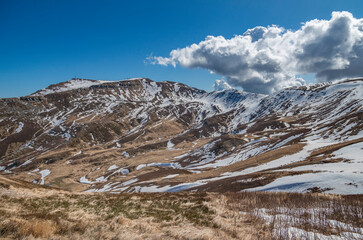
(138, 135)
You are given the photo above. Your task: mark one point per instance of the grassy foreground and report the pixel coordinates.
(30, 212)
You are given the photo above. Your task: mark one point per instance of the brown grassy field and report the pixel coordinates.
(31, 212)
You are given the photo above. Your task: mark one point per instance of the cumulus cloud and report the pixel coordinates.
(220, 85)
(267, 59)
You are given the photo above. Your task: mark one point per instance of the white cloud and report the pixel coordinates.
(266, 59)
(220, 85)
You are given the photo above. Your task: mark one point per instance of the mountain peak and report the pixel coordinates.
(71, 84)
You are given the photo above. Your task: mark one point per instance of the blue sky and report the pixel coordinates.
(45, 42)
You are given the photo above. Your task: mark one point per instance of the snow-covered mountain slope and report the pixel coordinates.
(75, 83)
(141, 135)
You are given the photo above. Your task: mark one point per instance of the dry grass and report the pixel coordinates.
(31, 213)
(36, 228)
(104, 216)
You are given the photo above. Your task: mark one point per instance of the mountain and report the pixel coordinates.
(138, 135)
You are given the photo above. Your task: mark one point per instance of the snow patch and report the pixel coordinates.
(20, 127)
(85, 180)
(170, 176)
(113, 167)
(44, 173)
(70, 85)
(170, 165)
(170, 145)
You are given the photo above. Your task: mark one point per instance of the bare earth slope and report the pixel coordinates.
(138, 135)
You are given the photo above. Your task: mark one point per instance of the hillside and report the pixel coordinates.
(138, 135)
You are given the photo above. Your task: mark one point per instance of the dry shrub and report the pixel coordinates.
(23, 228)
(122, 220)
(9, 227)
(67, 227)
(144, 226)
(38, 228)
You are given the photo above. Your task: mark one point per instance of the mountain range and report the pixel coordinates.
(138, 135)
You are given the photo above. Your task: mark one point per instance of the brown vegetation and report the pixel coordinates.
(41, 213)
